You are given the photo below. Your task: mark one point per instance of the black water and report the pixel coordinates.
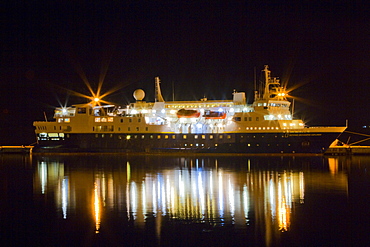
(105, 200)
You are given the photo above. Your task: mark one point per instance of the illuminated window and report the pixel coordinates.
(203, 137)
(60, 120)
(166, 137)
(110, 119)
(158, 137)
(142, 137)
(173, 137)
(211, 137)
(61, 134)
(184, 137)
(103, 119)
(228, 136)
(196, 137)
(220, 136)
(128, 137)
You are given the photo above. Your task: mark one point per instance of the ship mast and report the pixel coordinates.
(158, 94)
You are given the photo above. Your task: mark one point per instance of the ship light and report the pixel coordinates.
(173, 111)
(96, 99)
(145, 111)
(279, 116)
(154, 111)
(284, 124)
(64, 111)
(245, 109)
(199, 125)
(301, 124)
(163, 111)
(231, 109)
(134, 112)
(220, 110)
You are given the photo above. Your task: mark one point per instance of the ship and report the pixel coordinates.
(206, 126)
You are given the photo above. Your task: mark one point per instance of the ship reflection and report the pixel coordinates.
(189, 191)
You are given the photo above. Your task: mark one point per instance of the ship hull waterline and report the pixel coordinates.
(251, 143)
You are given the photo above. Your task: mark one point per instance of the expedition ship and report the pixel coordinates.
(204, 126)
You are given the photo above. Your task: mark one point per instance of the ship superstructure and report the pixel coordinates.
(220, 126)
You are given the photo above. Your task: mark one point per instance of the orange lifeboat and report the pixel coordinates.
(187, 113)
(214, 115)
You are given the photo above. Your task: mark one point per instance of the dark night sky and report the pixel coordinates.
(201, 47)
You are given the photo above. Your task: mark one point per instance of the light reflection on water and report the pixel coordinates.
(212, 192)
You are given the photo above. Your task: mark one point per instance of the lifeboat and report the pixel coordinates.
(214, 115)
(187, 113)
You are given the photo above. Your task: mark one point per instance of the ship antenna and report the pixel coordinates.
(173, 92)
(255, 83)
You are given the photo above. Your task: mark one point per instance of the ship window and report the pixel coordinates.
(103, 119)
(210, 136)
(128, 137)
(257, 119)
(184, 137)
(110, 119)
(166, 137)
(245, 119)
(228, 136)
(119, 128)
(137, 128)
(128, 129)
(102, 135)
(143, 136)
(96, 135)
(249, 144)
(130, 120)
(121, 120)
(173, 137)
(216, 144)
(250, 118)
(203, 137)
(151, 136)
(220, 136)
(237, 119)
(61, 134)
(139, 120)
(158, 137)
(146, 128)
(81, 110)
(60, 120)
(97, 120)
(196, 137)
(55, 127)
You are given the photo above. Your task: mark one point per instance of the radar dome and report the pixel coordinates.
(139, 94)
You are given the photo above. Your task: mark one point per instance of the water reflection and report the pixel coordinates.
(212, 192)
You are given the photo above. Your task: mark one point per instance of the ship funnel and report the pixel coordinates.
(158, 94)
